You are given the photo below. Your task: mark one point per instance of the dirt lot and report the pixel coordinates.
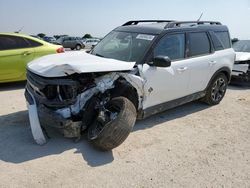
(189, 146)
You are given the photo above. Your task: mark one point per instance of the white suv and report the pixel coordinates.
(137, 70)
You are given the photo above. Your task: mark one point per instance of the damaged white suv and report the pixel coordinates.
(241, 68)
(139, 69)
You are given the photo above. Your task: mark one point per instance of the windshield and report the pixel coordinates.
(123, 46)
(242, 46)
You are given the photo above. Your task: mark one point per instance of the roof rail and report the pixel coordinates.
(135, 22)
(179, 23)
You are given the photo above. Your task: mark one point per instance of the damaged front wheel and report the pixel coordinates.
(113, 124)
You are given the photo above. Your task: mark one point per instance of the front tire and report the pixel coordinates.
(216, 90)
(111, 134)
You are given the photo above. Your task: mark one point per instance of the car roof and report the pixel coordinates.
(25, 36)
(159, 26)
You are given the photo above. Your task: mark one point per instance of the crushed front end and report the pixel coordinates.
(73, 102)
(241, 71)
(54, 99)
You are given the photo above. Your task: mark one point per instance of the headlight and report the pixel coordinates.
(66, 92)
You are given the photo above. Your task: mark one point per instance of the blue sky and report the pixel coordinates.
(98, 17)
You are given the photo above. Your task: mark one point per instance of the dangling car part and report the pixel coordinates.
(136, 71)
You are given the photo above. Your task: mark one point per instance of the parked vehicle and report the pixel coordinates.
(71, 42)
(241, 68)
(35, 36)
(16, 50)
(49, 39)
(136, 71)
(89, 43)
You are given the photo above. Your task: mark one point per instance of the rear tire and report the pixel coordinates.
(113, 133)
(216, 90)
(78, 47)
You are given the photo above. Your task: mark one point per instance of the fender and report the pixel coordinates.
(224, 70)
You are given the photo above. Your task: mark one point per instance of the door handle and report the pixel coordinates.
(182, 69)
(212, 62)
(26, 53)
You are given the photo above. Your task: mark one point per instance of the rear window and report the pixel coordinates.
(12, 42)
(199, 44)
(224, 38)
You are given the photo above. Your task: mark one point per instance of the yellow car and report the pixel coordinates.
(16, 50)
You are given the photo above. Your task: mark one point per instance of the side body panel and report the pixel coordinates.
(13, 63)
(221, 59)
(165, 84)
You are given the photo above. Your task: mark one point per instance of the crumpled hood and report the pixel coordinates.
(242, 56)
(68, 63)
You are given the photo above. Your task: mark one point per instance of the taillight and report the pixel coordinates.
(60, 50)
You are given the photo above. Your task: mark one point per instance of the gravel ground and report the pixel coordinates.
(190, 146)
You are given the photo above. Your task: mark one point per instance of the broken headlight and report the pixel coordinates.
(66, 92)
(62, 92)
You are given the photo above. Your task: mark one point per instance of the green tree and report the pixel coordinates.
(87, 36)
(41, 35)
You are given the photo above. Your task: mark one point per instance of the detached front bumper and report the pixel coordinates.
(34, 119)
(41, 116)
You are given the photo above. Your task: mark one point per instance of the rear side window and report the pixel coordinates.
(65, 38)
(224, 38)
(33, 43)
(12, 42)
(172, 46)
(199, 44)
(216, 42)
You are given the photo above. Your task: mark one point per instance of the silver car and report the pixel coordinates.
(71, 42)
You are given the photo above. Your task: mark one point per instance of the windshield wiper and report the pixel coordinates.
(99, 55)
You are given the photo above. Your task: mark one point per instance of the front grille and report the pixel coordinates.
(52, 92)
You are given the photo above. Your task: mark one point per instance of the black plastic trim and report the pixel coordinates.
(170, 104)
(135, 22)
(221, 70)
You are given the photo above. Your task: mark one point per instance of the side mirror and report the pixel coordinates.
(234, 40)
(161, 61)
